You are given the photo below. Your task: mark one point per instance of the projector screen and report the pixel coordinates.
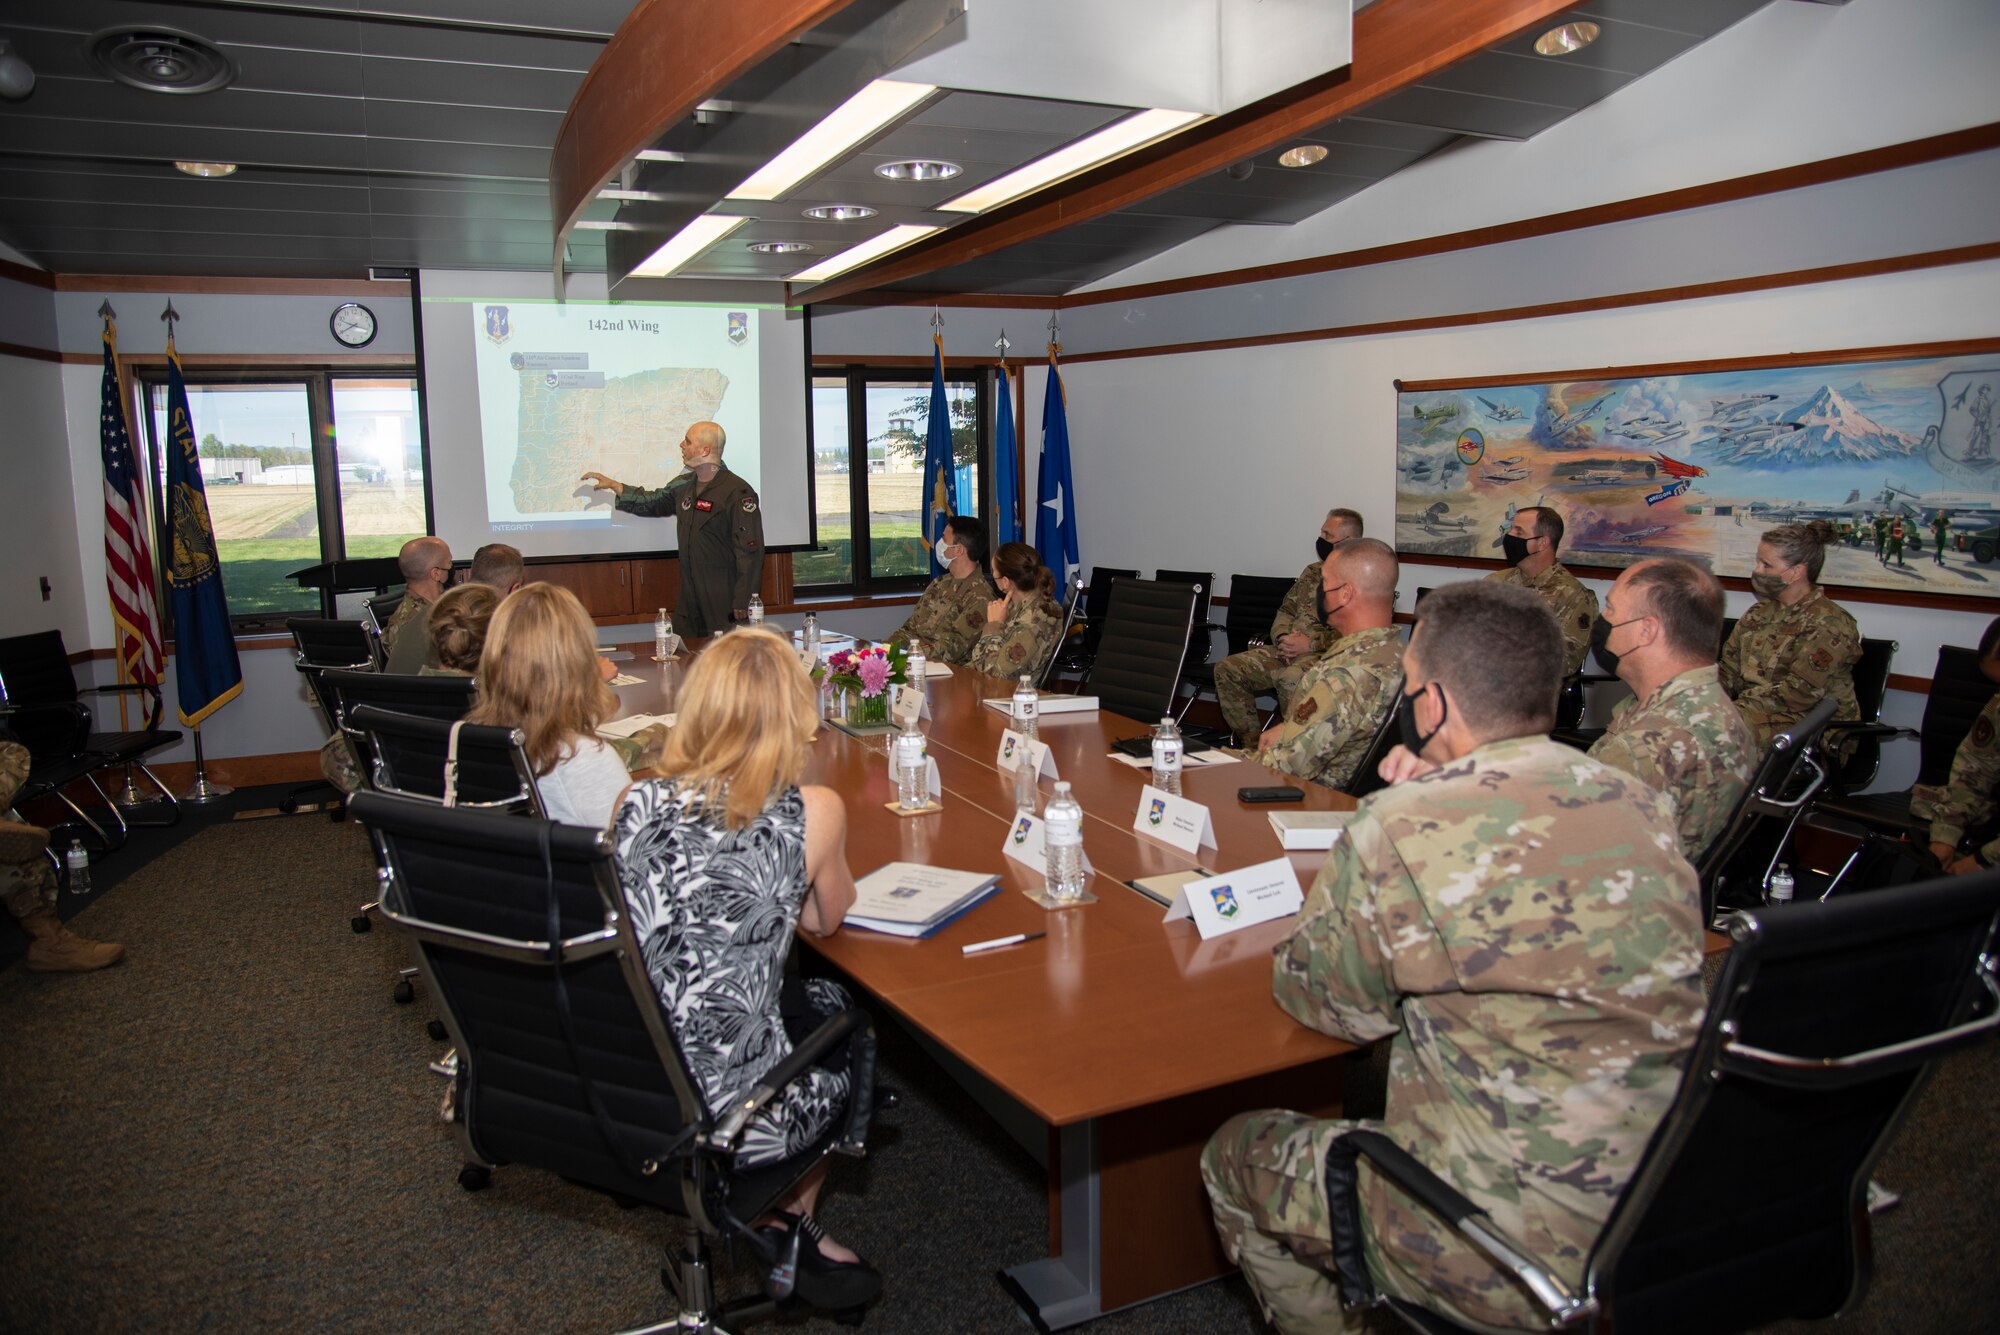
(523, 394)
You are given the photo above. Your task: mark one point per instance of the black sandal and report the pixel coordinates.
(819, 1280)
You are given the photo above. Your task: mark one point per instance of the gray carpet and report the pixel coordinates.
(234, 1130)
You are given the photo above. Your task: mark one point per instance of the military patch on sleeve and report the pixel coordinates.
(749, 505)
(1822, 659)
(1306, 709)
(1982, 731)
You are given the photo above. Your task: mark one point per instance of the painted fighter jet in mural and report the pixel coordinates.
(1751, 431)
(1447, 412)
(1641, 534)
(1500, 412)
(1737, 406)
(1571, 421)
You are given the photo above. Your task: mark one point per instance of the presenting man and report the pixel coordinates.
(1349, 689)
(1680, 732)
(1297, 637)
(1530, 543)
(1521, 920)
(721, 531)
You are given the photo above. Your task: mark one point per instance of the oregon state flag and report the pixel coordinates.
(204, 650)
(940, 467)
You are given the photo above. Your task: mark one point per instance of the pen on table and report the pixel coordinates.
(977, 946)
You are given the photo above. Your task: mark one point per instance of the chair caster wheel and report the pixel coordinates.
(475, 1177)
(848, 1317)
(360, 923)
(290, 806)
(404, 993)
(435, 1028)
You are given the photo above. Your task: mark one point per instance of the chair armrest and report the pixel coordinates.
(1593, 678)
(1859, 728)
(1448, 1203)
(816, 1045)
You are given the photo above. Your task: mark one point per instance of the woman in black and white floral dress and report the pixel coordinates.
(718, 864)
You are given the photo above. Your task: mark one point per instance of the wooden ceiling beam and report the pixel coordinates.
(1396, 43)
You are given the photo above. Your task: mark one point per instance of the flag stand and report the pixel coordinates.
(201, 790)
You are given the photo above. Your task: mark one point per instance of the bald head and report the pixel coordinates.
(1370, 565)
(1357, 584)
(425, 564)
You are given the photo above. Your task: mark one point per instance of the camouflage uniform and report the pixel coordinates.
(949, 618)
(1522, 922)
(1575, 607)
(1019, 643)
(1781, 661)
(27, 882)
(1342, 701)
(406, 611)
(1685, 740)
(1964, 804)
(412, 650)
(1240, 677)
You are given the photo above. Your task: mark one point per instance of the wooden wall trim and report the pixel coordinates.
(1615, 301)
(242, 287)
(831, 363)
(1396, 43)
(1841, 593)
(1914, 152)
(387, 361)
(21, 273)
(996, 300)
(1914, 685)
(37, 354)
(1896, 352)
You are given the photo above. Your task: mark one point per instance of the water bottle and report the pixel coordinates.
(79, 868)
(918, 667)
(1167, 757)
(662, 629)
(1026, 704)
(1026, 793)
(1062, 829)
(809, 641)
(1782, 885)
(756, 609)
(912, 793)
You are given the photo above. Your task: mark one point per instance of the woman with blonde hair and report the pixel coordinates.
(1023, 622)
(1795, 646)
(719, 862)
(539, 673)
(457, 629)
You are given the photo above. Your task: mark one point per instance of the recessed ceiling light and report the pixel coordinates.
(846, 125)
(782, 247)
(1112, 141)
(839, 212)
(1568, 37)
(918, 169)
(880, 244)
(207, 168)
(701, 232)
(1305, 155)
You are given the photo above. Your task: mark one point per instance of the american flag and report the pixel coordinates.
(128, 556)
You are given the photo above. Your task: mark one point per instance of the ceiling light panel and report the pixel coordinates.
(875, 246)
(1112, 141)
(846, 126)
(701, 232)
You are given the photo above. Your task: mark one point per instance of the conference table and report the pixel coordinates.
(1128, 1038)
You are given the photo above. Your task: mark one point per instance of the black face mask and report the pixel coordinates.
(1514, 549)
(1406, 722)
(1324, 548)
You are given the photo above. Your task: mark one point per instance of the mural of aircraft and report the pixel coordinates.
(1600, 477)
(1737, 435)
(1445, 413)
(1570, 421)
(1437, 520)
(1741, 404)
(1499, 412)
(1511, 461)
(1506, 475)
(1641, 534)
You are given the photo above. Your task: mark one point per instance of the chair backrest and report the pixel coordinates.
(379, 609)
(1959, 691)
(1367, 778)
(1783, 784)
(1072, 609)
(1254, 601)
(37, 684)
(412, 755)
(1203, 582)
(330, 644)
(446, 698)
(1871, 683)
(1138, 666)
(1097, 600)
(568, 1062)
(1826, 1023)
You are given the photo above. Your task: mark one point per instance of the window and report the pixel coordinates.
(868, 474)
(300, 467)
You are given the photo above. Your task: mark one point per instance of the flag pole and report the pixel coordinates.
(202, 789)
(129, 795)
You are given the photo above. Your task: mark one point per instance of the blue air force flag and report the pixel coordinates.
(1006, 466)
(205, 663)
(1055, 513)
(940, 468)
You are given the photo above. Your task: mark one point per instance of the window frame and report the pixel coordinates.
(859, 376)
(318, 380)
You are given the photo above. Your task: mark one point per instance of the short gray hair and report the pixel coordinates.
(1496, 649)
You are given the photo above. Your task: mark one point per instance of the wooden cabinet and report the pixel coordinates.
(604, 587)
(656, 581)
(617, 589)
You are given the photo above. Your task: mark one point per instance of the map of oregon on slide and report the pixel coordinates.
(590, 387)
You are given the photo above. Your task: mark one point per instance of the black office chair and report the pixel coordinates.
(1072, 611)
(1734, 868)
(1080, 651)
(481, 767)
(377, 611)
(318, 644)
(42, 705)
(1368, 778)
(566, 1060)
(1253, 605)
(1137, 668)
(1959, 692)
(1854, 746)
(1827, 1023)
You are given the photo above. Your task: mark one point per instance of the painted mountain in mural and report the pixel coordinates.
(1825, 429)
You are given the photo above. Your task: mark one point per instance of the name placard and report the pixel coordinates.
(1238, 899)
(1183, 823)
(1013, 746)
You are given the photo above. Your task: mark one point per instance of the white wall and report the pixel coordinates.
(39, 537)
(1792, 83)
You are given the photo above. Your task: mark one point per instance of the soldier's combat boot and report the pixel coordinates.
(56, 949)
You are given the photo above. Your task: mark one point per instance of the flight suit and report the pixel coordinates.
(721, 545)
(1895, 542)
(1940, 532)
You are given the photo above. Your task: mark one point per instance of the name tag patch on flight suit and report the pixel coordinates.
(704, 505)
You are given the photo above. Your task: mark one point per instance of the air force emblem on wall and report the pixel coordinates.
(1961, 444)
(1157, 812)
(739, 326)
(497, 327)
(1225, 900)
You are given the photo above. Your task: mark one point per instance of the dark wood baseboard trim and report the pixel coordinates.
(242, 287)
(35, 354)
(244, 771)
(21, 273)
